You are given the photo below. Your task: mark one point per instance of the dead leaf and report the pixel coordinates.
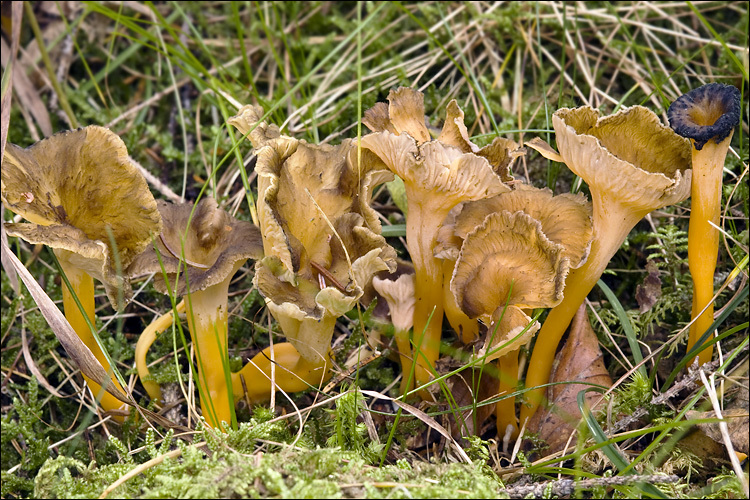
(579, 360)
(462, 387)
(737, 422)
(649, 292)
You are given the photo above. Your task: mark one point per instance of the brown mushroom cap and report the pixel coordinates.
(565, 219)
(322, 239)
(214, 242)
(630, 155)
(508, 259)
(708, 112)
(247, 120)
(75, 187)
(404, 113)
(500, 153)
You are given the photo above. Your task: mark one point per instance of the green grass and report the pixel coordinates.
(167, 76)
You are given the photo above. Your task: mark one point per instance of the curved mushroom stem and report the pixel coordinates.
(612, 223)
(293, 373)
(83, 287)
(207, 321)
(505, 410)
(144, 343)
(703, 239)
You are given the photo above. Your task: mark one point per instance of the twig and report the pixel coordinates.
(567, 487)
(688, 382)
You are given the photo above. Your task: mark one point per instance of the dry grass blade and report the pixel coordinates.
(9, 62)
(143, 467)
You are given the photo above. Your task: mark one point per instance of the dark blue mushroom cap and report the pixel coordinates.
(708, 112)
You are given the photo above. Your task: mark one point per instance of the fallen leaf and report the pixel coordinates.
(649, 292)
(580, 360)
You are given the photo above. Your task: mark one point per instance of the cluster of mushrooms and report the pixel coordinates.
(485, 250)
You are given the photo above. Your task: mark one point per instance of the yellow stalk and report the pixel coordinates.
(207, 321)
(505, 411)
(83, 287)
(612, 223)
(144, 343)
(703, 239)
(405, 354)
(292, 374)
(421, 230)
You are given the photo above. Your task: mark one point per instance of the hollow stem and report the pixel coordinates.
(207, 321)
(612, 223)
(144, 343)
(703, 239)
(83, 287)
(293, 373)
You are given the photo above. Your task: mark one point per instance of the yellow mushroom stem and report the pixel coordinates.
(83, 287)
(612, 223)
(703, 239)
(428, 289)
(466, 328)
(207, 320)
(292, 373)
(146, 339)
(505, 410)
(403, 343)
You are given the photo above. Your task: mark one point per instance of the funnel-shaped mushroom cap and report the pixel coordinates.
(708, 112)
(75, 187)
(322, 239)
(630, 155)
(508, 258)
(399, 294)
(206, 247)
(441, 173)
(404, 113)
(565, 219)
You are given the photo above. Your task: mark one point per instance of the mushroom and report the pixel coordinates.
(707, 116)
(437, 176)
(565, 219)
(199, 250)
(399, 294)
(322, 244)
(85, 200)
(633, 165)
(530, 237)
